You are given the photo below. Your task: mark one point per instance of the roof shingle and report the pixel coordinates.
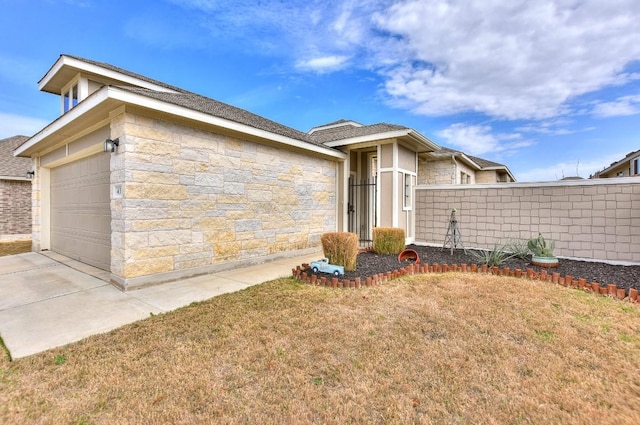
(11, 166)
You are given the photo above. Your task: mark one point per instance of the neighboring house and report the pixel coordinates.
(448, 166)
(154, 183)
(629, 166)
(15, 191)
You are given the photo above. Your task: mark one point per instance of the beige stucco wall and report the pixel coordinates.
(406, 159)
(193, 199)
(593, 219)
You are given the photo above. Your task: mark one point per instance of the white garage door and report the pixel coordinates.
(80, 210)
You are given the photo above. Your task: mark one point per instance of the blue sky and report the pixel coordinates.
(550, 88)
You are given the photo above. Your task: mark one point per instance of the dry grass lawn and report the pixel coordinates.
(14, 247)
(451, 348)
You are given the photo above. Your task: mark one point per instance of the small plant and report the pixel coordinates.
(518, 248)
(540, 248)
(495, 257)
(388, 240)
(59, 359)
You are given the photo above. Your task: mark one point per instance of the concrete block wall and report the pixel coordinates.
(185, 199)
(15, 209)
(591, 219)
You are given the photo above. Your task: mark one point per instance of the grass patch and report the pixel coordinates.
(14, 247)
(448, 348)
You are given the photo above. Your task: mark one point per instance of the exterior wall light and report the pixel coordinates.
(30, 175)
(110, 145)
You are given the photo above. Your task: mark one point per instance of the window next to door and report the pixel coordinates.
(407, 192)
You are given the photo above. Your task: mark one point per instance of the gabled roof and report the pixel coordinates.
(68, 66)
(219, 109)
(335, 124)
(345, 132)
(120, 85)
(12, 167)
(485, 163)
(476, 162)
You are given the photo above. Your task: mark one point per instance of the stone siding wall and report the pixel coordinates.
(15, 208)
(184, 199)
(592, 219)
(489, 177)
(436, 172)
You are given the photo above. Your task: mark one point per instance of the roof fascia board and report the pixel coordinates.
(109, 92)
(181, 111)
(98, 70)
(386, 135)
(86, 105)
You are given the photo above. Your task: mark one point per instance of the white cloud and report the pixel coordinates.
(323, 64)
(517, 59)
(15, 125)
(622, 106)
(551, 127)
(480, 139)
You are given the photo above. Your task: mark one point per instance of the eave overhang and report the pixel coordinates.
(66, 68)
(417, 141)
(100, 104)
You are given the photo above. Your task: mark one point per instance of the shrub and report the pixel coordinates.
(495, 257)
(341, 248)
(388, 240)
(518, 248)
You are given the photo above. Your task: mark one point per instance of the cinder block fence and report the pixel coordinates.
(591, 219)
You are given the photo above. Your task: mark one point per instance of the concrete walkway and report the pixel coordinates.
(47, 301)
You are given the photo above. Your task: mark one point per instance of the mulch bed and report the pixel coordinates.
(370, 264)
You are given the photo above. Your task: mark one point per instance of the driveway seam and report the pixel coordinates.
(53, 297)
(30, 269)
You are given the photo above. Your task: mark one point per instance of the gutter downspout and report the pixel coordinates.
(455, 169)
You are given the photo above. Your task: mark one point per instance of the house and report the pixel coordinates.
(629, 166)
(15, 191)
(448, 166)
(153, 183)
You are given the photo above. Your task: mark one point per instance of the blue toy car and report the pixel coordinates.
(323, 266)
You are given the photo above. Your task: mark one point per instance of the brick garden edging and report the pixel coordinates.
(304, 274)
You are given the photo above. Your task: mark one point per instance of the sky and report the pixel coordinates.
(550, 88)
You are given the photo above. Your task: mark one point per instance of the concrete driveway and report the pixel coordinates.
(47, 301)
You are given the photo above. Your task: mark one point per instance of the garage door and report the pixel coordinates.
(80, 211)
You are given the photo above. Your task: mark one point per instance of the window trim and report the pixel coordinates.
(407, 192)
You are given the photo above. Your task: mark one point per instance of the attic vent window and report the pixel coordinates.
(70, 98)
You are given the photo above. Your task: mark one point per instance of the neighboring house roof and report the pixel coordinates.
(485, 163)
(11, 167)
(614, 165)
(476, 162)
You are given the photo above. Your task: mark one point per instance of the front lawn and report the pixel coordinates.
(438, 348)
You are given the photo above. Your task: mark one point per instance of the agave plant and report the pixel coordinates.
(495, 257)
(539, 246)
